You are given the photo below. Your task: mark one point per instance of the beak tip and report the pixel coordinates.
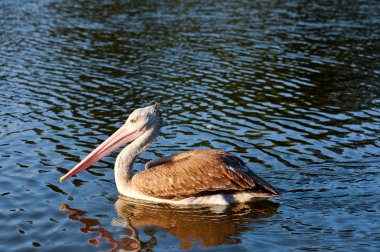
(61, 179)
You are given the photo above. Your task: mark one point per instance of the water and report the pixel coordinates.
(291, 87)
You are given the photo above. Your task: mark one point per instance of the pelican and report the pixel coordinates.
(192, 177)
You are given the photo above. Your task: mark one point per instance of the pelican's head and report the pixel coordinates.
(143, 119)
(140, 121)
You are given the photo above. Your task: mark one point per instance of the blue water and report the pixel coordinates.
(293, 88)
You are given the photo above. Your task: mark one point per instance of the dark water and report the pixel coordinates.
(292, 87)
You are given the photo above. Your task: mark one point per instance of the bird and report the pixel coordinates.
(195, 177)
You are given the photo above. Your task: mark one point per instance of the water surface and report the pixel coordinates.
(293, 88)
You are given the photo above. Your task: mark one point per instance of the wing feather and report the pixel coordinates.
(197, 172)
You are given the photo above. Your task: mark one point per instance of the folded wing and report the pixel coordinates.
(196, 173)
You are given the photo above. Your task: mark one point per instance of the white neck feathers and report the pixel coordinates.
(126, 158)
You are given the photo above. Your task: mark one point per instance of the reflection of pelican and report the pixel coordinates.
(91, 225)
(206, 226)
(193, 177)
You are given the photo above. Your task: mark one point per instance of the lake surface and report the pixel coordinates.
(292, 87)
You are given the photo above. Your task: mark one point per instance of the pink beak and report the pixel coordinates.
(121, 137)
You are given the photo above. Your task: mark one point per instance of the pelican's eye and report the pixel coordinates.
(133, 120)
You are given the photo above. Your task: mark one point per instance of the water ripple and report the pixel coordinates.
(290, 87)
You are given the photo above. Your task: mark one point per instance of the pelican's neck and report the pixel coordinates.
(126, 158)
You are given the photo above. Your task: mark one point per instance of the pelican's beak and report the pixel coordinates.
(121, 137)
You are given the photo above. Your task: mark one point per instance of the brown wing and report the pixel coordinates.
(177, 157)
(195, 173)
